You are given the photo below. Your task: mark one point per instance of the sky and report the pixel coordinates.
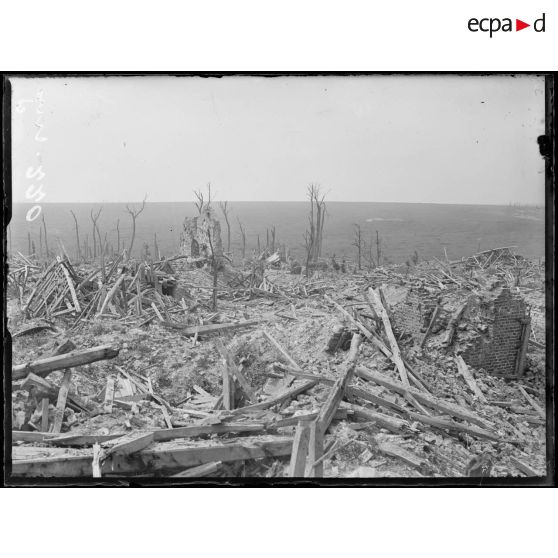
(415, 139)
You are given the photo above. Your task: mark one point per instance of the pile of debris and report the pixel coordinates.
(368, 375)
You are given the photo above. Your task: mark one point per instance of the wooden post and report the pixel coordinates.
(44, 414)
(522, 354)
(315, 452)
(300, 450)
(61, 403)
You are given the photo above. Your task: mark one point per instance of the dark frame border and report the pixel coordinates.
(547, 481)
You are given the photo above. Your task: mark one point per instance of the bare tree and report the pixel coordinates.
(316, 220)
(46, 236)
(309, 246)
(200, 203)
(134, 213)
(378, 248)
(242, 238)
(273, 239)
(156, 252)
(358, 243)
(225, 210)
(96, 229)
(118, 235)
(78, 253)
(29, 243)
(40, 242)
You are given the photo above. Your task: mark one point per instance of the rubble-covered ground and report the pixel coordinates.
(166, 377)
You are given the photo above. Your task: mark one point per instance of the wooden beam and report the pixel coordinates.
(109, 395)
(430, 325)
(394, 450)
(452, 325)
(78, 440)
(315, 464)
(325, 415)
(524, 468)
(45, 366)
(45, 402)
(523, 346)
(201, 471)
(130, 443)
(161, 456)
(376, 302)
(208, 429)
(426, 399)
(393, 424)
(463, 369)
(293, 392)
(532, 402)
(61, 403)
(235, 370)
(212, 328)
(300, 450)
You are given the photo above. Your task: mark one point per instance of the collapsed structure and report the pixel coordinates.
(435, 370)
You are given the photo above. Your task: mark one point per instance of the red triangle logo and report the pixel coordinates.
(519, 25)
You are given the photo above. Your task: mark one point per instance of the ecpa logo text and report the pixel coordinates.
(492, 25)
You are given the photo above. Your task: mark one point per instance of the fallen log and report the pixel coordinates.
(524, 468)
(532, 402)
(45, 366)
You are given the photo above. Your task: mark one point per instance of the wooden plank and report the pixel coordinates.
(292, 393)
(463, 369)
(71, 287)
(45, 402)
(45, 366)
(281, 350)
(78, 440)
(201, 471)
(524, 468)
(131, 443)
(532, 402)
(109, 395)
(523, 346)
(394, 450)
(426, 399)
(325, 415)
(314, 464)
(23, 436)
(111, 293)
(300, 450)
(61, 403)
(212, 328)
(393, 424)
(452, 325)
(235, 370)
(376, 302)
(96, 465)
(161, 456)
(207, 429)
(430, 325)
(452, 426)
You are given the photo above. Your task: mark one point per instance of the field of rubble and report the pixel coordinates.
(150, 369)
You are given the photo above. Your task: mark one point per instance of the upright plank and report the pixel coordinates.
(469, 379)
(300, 450)
(61, 403)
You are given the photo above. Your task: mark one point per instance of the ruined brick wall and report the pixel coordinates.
(412, 315)
(497, 350)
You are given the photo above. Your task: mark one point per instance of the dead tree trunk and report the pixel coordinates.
(225, 210)
(101, 247)
(134, 213)
(118, 235)
(242, 239)
(378, 249)
(78, 253)
(357, 242)
(46, 236)
(28, 242)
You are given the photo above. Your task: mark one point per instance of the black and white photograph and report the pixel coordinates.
(282, 278)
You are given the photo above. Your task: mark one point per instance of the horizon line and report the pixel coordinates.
(533, 204)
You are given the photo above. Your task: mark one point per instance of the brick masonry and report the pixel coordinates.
(497, 350)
